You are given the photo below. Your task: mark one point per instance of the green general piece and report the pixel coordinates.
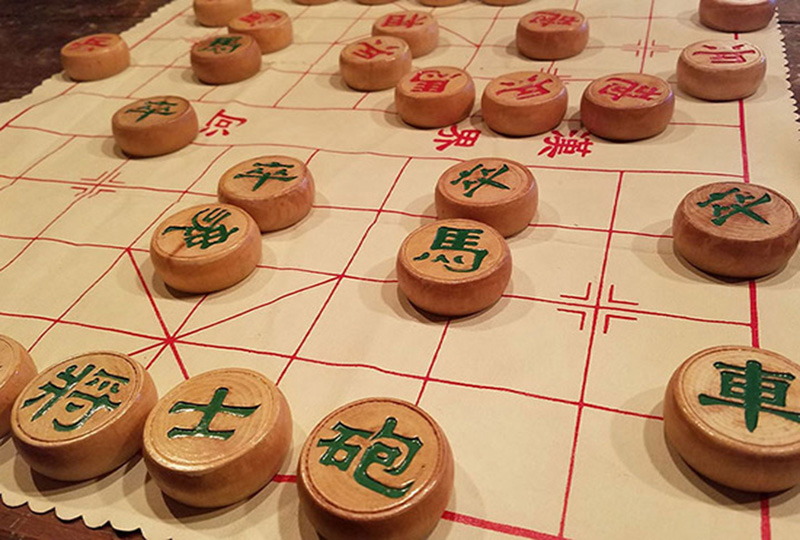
(223, 44)
(378, 452)
(162, 108)
(738, 207)
(471, 186)
(209, 410)
(258, 171)
(454, 239)
(752, 389)
(77, 400)
(206, 229)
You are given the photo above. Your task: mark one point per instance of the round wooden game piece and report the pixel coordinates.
(736, 15)
(454, 267)
(417, 28)
(434, 97)
(83, 417)
(733, 414)
(496, 191)
(270, 28)
(220, 12)
(206, 248)
(374, 63)
(721, 70)
(503, 2)
(735, 229)
(94, 57)
(218, 437)
(277, 191)
(439, 3)
(154, 126)
(16, 371)
(552, 34)
(627, 106)
(524, 103)
(375, 468)
(226, 59)
(313, 2)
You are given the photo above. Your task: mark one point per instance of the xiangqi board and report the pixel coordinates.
(550, 399)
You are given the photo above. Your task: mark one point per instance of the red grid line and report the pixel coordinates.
(433, 361)
(498, 527)
(160, 27)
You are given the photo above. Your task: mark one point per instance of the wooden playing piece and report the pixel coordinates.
(270, 28)
(503, 2)
(220, 12)
(736, 15)
(226, 59)
(94, 57)
(627, 106)
(496, 191)
(454, 267)
(721, 70)
(313, 2)
(218, 437)
(378, 468)
(205, 248)
(439, 3)
(434, 97)
(736, 230)
(552, 34)
(417, 28)
(374, 2)
(374, 63)
(83, 417)
(524, 103)
(277, 191)
(154, 126)
(16, 371)
(733, 414)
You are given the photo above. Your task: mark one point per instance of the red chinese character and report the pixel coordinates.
(619, 88)
(526, 91)
(91, 43)
(571, 144)
(465, 138)
(431, 80)
(719, 56)
(221, 122)
(546, 18)
(255, 18)
(368, 51)
(401, 19)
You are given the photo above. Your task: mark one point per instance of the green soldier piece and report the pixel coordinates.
(378, 468)
(496, 191)
(454, 267)
(736, 230)
(277, 191)
(83, 417)
(154, 126)
(733, 414)
(205, 248)
(218, 437)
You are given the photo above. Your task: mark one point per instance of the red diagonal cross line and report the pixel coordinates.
(483, 39)
(344, 271)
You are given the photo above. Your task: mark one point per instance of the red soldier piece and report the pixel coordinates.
(374, 63)
(721, 70)
(94, 57)
(552, 35)
(524, 103)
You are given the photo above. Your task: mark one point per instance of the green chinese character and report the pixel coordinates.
(223, 44)
(751, 388)
(162, 108)
(205, 230)
(258, 172)
(379, 452)
(471, 186)
(459, 240)
(209, 410)
(720, 217)
(75, 400)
